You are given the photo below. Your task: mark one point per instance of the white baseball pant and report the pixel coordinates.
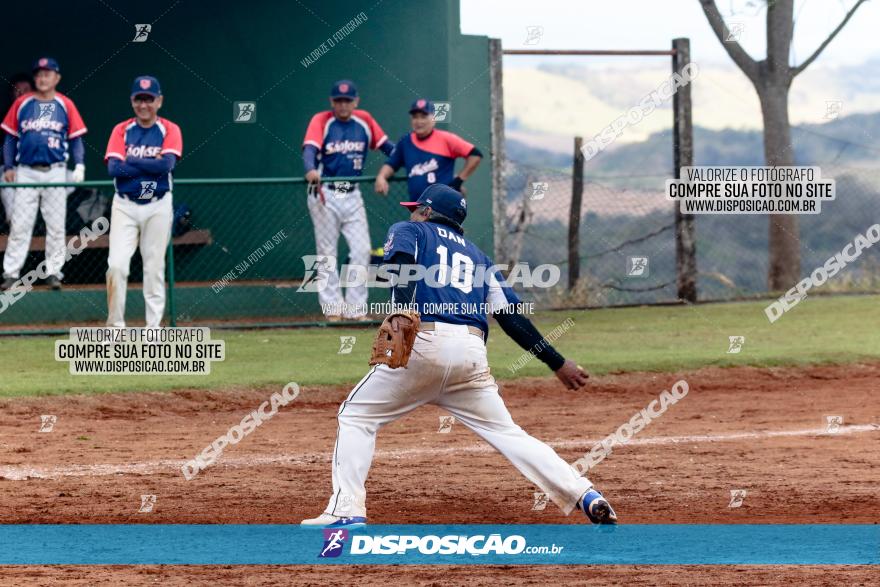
(52, 203)
(343, 213)
(144, 226)
(7, 196)
(448, 368)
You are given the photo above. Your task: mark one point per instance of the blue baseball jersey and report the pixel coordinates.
(131, 140)
(43, 128)
(428, 160)
(342, 146)
(461, 286)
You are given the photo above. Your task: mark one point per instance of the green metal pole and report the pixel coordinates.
(171, 305)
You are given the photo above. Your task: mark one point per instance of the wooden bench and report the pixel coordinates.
(198, 238)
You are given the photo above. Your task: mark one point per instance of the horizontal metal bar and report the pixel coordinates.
(207, 181)
(595, 52)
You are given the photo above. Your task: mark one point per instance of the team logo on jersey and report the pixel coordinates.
(344, 147)
(46, 111)
(244, 112)
(141, 32)
(423, 168)
(387, 247)
(334, 541)
(148, 190)
(142, 151)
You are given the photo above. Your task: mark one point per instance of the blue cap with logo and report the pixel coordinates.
(344, 88)
(442, 199)
(46, 63)
(146, 84)
(422, 105)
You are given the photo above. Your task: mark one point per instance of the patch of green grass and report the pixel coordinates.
(819, 330)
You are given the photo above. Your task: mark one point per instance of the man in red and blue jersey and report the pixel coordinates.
(141, 155)
(43, 130)
(336, 145)
(428, 154)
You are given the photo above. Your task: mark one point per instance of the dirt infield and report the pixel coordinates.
(761, 430)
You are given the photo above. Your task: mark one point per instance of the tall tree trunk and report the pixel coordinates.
(784, 266)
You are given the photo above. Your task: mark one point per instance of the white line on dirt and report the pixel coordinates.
(19, 472)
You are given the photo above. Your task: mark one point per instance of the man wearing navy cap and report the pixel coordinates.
(447, 364)
(428, 154)
(336, 145)
(141, 155)
(44, 129)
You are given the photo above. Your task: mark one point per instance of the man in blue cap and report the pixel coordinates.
(437, 354)
(44, 130)
(141, 155)
(428, 154)
(335, 146)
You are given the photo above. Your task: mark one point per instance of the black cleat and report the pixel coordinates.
(53, 282)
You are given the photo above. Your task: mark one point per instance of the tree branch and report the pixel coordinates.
(733, 48)
(796, 70)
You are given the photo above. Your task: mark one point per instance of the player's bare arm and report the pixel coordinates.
(385, 173)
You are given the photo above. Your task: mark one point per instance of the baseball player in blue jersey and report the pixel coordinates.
(141, 155)
(44, 129)
(438, 356)
(336, 145)
(428, 154)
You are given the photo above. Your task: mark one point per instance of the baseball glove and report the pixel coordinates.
(392, 346)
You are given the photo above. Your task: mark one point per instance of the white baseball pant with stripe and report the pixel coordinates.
(52, 204)
(341, 213)
(448, 368)
(132, 226)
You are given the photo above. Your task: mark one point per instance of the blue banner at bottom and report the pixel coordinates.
(673, 544)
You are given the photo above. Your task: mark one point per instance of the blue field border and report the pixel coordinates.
(258, 544)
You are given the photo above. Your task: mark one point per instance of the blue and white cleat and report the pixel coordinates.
(331, 521)
(597, 508)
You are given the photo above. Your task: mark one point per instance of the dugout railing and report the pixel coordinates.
(236, 257)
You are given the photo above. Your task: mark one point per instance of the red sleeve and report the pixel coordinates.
(10, 123)
(76, 127)
(376, 131)
(315, 131)
(457, 145)
(116, 144)
(173, 142)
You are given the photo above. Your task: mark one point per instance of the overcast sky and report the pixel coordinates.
(652, 24)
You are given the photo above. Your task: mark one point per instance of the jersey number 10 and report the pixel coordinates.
(462, 274)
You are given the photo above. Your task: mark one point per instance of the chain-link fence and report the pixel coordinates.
(239, 251)
(626, 240)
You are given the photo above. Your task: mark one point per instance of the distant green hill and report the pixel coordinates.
(732, 249)
(850, 139)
